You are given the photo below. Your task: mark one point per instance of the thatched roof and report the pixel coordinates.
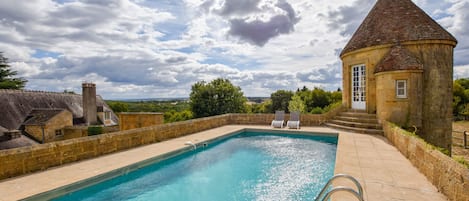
(2, 130)
(42, 116)
(392, 21)
(22, 141)
(15, 105)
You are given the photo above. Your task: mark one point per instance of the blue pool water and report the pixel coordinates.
(247, 166)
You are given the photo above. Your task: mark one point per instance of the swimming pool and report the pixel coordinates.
(245, 166)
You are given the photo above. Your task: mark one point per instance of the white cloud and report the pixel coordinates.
(142, 48)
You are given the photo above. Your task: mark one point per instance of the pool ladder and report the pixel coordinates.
(358, 195)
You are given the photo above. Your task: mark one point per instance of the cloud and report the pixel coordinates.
(457, 24)
(347, 18)
(256, 21)
(145, 49)
(95, 24)
(239, 7)
(322, 75)
(461, 72)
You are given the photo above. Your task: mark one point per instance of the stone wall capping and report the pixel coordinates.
(23, 160)
(450, 177)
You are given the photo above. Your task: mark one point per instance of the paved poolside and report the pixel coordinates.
(383, 171)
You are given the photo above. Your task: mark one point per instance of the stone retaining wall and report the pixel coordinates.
(450, 177)
(23, 160)
(266, 119)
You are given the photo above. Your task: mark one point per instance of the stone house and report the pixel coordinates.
(48, 124)
(399, 66)
(30, 111)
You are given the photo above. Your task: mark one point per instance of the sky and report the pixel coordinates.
(135, 49)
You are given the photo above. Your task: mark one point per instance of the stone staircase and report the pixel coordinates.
(356, 121)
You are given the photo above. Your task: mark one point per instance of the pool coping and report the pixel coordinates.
(48, 195)
(59, 179)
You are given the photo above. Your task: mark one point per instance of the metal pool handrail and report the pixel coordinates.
(358, 194)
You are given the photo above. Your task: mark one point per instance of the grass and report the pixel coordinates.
(461, 155)
(461, 160)
(428, 145)
(461, 125)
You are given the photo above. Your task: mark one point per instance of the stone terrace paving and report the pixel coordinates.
(383, 171)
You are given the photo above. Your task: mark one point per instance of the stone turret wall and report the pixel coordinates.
(405, 112)
(437, 111)
(370, 57)
(432, 110)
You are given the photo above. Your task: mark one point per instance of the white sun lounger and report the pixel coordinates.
(279, 119)
(294, 121)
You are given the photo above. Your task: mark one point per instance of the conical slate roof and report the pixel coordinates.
(391, 21)
(398, 58)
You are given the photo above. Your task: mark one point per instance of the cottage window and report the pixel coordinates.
(59, 132)
(401, 88)
(107, 115)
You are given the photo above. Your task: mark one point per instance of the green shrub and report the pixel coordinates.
(332, 106)
(95, 130)
(317, 110)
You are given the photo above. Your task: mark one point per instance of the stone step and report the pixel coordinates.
(356, 130)
(358, 115)
(357, 124)
(356, 111)
(357, 119)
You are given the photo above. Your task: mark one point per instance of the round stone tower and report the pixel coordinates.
(399, 65)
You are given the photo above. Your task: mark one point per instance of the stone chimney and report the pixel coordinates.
(89, 103)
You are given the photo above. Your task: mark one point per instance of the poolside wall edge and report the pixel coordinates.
(24, 160)
(450, 177)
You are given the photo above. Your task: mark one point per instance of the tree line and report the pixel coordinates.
(220, 96)
(461, 99)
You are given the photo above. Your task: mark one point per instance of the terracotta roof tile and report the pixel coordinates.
(398, 58)
(391, 21)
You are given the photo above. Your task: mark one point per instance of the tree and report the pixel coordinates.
(174, 116)
(461, 98)
(7, 80)
(280, 100)
(119, 106)
(336, 96)
(320, 98)
(69, 92)
(296, 104)
(264, 107)
(216, 97)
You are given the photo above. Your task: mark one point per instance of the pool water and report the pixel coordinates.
(247, 166)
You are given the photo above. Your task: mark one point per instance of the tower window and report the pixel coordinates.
(401, 88)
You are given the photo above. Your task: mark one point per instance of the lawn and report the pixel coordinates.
(458, 149)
